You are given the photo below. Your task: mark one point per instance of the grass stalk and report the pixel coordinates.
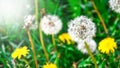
(33, 49)
(100, 17)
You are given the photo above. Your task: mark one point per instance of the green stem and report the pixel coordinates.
(26, 63)
(42, 43)
(92, 56)
(36, 10)
(33, 48)
(43, 12)
(53, 40)
(100, 17)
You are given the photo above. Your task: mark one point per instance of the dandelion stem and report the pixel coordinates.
(42, 43)
(33, 49)
(53, 40)
(90, 53)
(100, 17)
(36, 10)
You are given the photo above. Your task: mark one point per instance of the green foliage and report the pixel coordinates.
(14, 36)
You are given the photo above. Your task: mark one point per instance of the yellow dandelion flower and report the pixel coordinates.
(107, 45)
(19, 52)
(65, 37)
(51, 65)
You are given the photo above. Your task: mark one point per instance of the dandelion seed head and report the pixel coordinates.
(51, 24)
(115, 5)
(29, 22)
(81, 28)
(91, 43)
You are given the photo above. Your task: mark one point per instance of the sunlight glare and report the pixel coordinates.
(7, 7)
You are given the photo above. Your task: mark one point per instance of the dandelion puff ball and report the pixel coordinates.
(81, 28)
(51, 24)
(29, 22)
(29, 18)
(91, 43)
(115, 5)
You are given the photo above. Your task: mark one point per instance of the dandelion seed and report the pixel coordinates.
(19, 52)
(91, 43)
(115, 5)
(51, 24)
(51, 65)
(107, 45)
(81, 28)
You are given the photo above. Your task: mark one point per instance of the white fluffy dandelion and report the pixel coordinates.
(51, 24)
(91, 43)
(115, 5)
(29, 22)
(81, 28)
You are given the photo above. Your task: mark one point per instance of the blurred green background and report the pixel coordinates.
(12, 34)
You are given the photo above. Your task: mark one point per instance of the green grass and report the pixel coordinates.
(13, 36)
